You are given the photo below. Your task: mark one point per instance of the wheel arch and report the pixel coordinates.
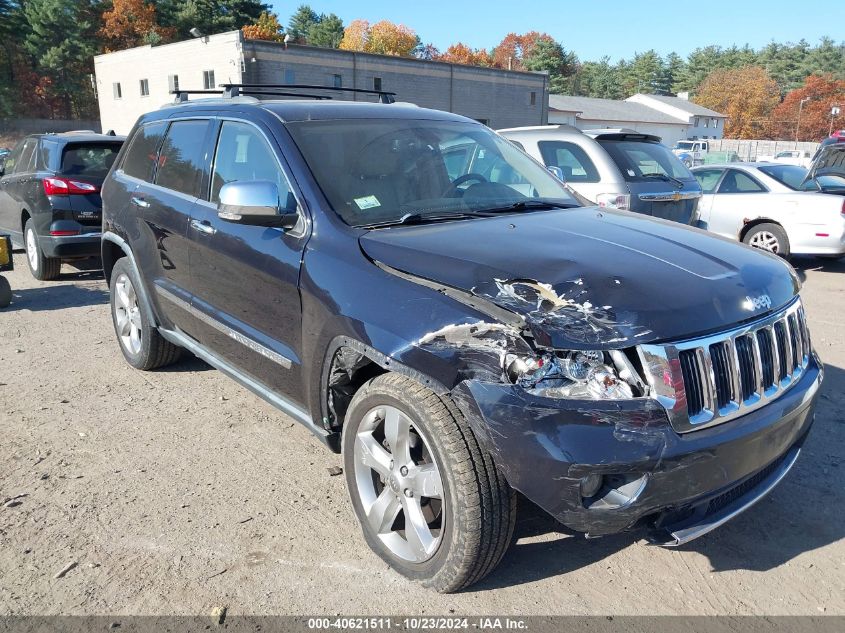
(756, 222)
(114, 248)
(25, 217)
(347, 365)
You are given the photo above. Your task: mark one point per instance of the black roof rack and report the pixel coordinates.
(182, 95)
(234, 90)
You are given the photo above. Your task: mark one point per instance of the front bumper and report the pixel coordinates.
(545, 447)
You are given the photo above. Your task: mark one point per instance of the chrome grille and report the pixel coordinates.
(713, 379)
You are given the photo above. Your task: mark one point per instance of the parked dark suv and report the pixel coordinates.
(50, 196)
(458, 336)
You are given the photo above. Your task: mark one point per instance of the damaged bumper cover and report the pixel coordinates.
(640, 472)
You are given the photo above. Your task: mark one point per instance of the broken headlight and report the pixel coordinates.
(581, 375)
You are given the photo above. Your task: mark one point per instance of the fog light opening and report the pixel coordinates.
(590, 485)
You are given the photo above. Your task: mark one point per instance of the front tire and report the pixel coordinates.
(43, 268)
(5, 292)
(769, 237)
(142, 345)
(430, 500)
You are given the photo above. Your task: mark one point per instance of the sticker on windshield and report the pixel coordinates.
(367, 202)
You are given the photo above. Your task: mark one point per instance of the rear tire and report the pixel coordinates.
(43, 268)
(467, 507)
(5, 292)
(769, 237)
(142, 345)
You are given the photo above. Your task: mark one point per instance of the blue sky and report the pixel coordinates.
(593, 28)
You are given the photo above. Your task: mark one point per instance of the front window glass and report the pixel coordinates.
(790, 175)
(685, 145)
(572, 160)
(383, 171)
(642, 160)
(181, 158)
(89, 159)
(243, 154)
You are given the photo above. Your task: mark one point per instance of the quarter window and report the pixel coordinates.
(571, 158)
(243, 154)
(141, 156)
(181, 157)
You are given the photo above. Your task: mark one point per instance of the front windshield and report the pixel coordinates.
(790, 175)
(683, 145)
(382, 171)
(644, 160)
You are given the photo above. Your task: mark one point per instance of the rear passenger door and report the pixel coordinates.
(246, 278)
(165, 193)
(14, 185)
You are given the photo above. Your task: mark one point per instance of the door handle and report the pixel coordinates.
(140, 202)
(203, 227)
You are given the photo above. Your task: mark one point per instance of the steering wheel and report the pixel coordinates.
(452, 189)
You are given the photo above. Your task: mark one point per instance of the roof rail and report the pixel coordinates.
(233, 90)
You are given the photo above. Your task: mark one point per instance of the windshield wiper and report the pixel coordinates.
(522, 205)
(418, 218)
(677, 181)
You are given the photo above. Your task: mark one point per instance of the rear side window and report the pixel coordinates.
(88, 159)
(24, 159)
(571, 158)
(739, 182)
(243, 154)
(141, 157)
(180, 160)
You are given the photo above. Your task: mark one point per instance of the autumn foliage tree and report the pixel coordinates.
(132, 23)
(512, 51)
(746, 95)
(460, 53)
(385, 37)
(266, 27)
(819, 93)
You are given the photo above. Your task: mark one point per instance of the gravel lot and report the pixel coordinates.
(177, 491)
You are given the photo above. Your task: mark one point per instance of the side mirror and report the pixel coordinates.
(557, 172)
(254, 202)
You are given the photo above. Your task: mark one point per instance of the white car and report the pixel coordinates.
(799, 157)
(772, 207)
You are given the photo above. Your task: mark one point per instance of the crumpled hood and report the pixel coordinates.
(588, 277)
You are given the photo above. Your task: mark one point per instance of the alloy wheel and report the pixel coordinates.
(765, 241)
(32, 249)
(399, 484)
(127, 314)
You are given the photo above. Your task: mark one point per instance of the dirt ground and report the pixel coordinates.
(177, 491)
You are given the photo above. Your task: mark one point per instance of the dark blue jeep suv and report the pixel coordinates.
(458, 333)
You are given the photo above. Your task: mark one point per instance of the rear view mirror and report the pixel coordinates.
(254, 202)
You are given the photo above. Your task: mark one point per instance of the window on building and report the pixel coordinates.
(715, 122)
(290, 76)
(697, 122)
(208, 80)
(145, 88)
(173, 83)
(706, 122)
(181, 157)
(532, 98)
(376, 83)
(484, 122)
(116, 91)
(141, 156)
(337, 81)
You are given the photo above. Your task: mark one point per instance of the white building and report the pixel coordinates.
(671, 118)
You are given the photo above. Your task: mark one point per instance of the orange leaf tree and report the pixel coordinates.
(460, 53)
(131, 23)
(746, 95)
(385, 38)
(513, 49)
(266, 27)
(819, 93)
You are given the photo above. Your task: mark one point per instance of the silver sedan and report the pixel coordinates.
(769, 206)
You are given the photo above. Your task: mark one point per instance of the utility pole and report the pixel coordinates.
(798, 125)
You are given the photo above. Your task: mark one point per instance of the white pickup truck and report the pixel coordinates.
(691, 153)
(800, 157)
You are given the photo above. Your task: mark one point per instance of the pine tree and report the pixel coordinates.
(327, 32)
(301, 22)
